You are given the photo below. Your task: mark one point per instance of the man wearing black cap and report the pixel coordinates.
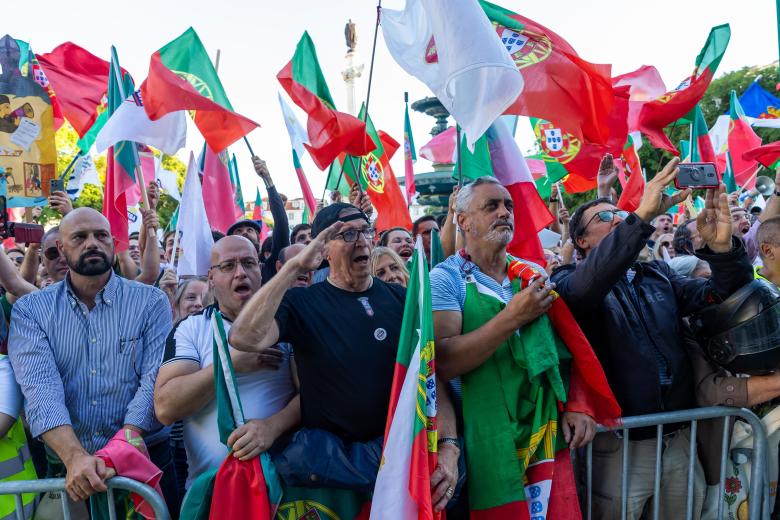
(345, 334)
(251, 228)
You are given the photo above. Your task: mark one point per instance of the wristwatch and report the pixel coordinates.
(449, 440)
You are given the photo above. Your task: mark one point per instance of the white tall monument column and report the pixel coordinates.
(351, 71)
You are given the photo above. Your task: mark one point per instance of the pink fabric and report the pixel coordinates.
(646, 84)
(441, 149)
(126, 453)
(218, 195)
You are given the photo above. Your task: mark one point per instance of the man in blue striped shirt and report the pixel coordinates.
(86, 351)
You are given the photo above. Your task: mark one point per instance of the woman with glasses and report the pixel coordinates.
(388, 266)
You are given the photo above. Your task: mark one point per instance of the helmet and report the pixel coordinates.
(742, 334)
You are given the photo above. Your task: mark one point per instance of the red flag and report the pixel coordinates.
(635, 187)
(80, 82)
(240, 491)
(218, 196)
(741, 138)
(645, 84)
(767, 155)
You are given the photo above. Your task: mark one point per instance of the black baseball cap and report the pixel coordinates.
(245, 222)
(337, 212)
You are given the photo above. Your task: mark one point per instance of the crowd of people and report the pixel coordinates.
(101, 342)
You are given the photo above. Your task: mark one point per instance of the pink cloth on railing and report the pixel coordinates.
(126, 454)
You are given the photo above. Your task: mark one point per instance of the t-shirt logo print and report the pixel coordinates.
(380, 334)
(366, 305)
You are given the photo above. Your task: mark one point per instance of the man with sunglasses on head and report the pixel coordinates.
(345, 334)
(631, 311)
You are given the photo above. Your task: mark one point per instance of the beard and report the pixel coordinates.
(85, 268)
(500, 236)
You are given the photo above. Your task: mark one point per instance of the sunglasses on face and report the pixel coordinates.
(608, 215)
(51, 253)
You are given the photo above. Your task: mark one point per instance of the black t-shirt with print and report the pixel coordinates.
(345, 346)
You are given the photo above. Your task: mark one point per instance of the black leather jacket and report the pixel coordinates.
(626, 323)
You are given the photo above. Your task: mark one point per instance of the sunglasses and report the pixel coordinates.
(51, 253)
(608, 215)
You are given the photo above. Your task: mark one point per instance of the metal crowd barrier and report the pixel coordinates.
(18, 487)
(758, 502)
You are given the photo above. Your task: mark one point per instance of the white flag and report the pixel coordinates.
(193, 227)
(452, 47)
(130, 123)
(82, 173)
(134, 219)
(298, 135)
(167, 180)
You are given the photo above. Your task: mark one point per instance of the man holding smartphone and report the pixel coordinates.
(630, 311)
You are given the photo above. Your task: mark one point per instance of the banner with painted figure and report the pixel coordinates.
(28, 157)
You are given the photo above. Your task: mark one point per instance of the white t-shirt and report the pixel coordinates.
(263, 393)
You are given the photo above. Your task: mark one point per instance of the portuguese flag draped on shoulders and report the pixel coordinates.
(181, 77)
(678, 103)
(377, 179)
(330, 132)
(121, 161)
(403, 484)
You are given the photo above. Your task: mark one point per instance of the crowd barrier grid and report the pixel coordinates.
(759, 486)
(18, 487)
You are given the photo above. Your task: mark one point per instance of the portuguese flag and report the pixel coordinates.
(701, 149)
(330, 132)
(559, 85)
(767, 155)
(741, 139)
(678, 103)
(181, 77)
(634, 187)
(377, 179)
(403, 484)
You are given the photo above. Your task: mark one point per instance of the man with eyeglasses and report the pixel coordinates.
(185, 384)
(345, 334)
(631, 311)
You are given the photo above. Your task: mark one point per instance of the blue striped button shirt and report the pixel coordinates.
(91, 369)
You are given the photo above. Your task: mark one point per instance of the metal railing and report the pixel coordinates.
(758, 503)
(18, 487)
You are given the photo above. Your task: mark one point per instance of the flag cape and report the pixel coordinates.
(403, 484)
(559, 85)
(218, 195)
(330, 132)
(376, 177)
(129, 122)
(767, 154)
(181, 77)
(409, 158)
(121, 161)
(193, 228)
(675, 104)
(741, 139)
(474, 77)
(80, 81)
(757, 102)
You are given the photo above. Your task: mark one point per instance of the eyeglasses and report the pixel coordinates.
(51, 253)
(18, 259)
(608, 215)
(229, 266)
(351, 235)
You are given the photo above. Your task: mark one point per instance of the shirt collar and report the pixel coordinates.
(107, 294)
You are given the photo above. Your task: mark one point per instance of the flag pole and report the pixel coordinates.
(70, 166)
(406, 107)
(460, 159)
(133, 146)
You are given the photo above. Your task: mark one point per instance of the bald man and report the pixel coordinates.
(287, 254)
(85, 352)
(185, 385)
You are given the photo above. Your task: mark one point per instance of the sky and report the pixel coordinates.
(257, 39)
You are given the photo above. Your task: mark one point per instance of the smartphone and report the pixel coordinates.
(56, 185)
(697, 175)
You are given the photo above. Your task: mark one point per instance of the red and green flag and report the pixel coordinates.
(308, 196)
(409, 154)
(701, 149)
(257, 215)
(181, 77)
(678, 103)
(218, 191)
(376, 177)
(767, 155)
(741, 138)
(121, 162)
(634, 187)
(330, 132)
(235, 180)
(403, 484)
(559, 85)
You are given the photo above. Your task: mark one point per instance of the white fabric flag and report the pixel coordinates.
(134, 219)
(82, 173)
(193, 227)
(167, 180)
(298, 136)
(452, 47)
(130, 123)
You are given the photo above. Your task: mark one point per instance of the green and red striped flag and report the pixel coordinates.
(701, 149)
(410, 156)
(330, 132)
(741, 139)
(235, 180)
(181, 77)
(121, 161)
(403, 484)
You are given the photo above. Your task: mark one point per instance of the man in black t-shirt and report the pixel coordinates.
(345, 334)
